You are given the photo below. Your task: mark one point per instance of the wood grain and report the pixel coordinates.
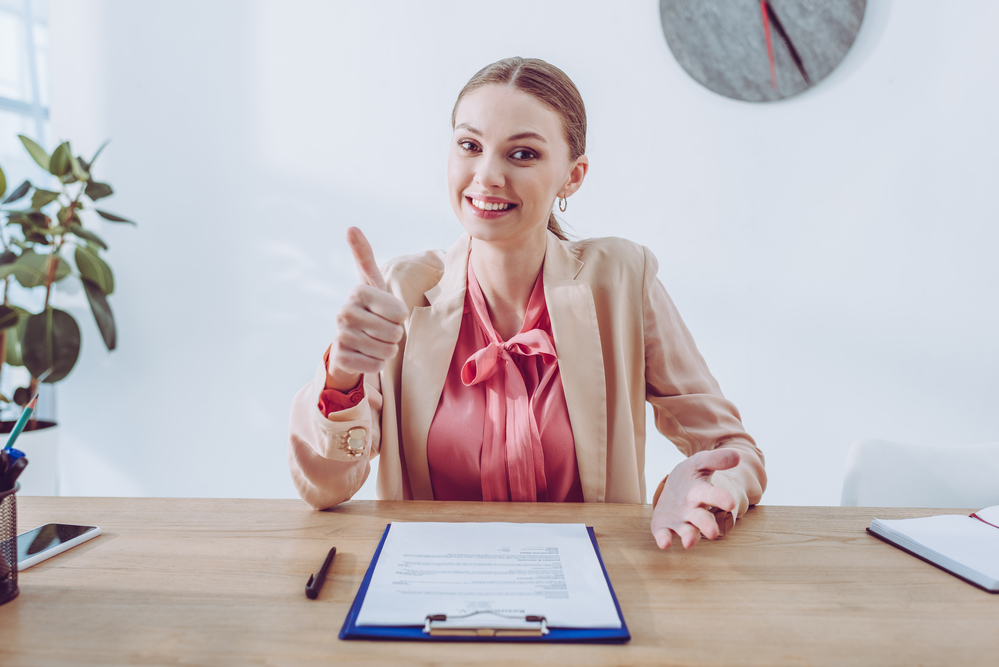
(221, 582)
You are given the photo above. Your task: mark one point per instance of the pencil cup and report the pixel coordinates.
(8, 544)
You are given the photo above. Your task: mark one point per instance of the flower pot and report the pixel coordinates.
(41, 447)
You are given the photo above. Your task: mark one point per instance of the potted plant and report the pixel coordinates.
(37, 234)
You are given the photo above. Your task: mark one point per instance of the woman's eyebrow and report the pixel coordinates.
(527, 135)
(517, 137)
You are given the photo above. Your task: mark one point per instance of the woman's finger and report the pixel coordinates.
(704, 521)
(366, 345)
(365, 259)
(663, 537)
(380, 303)
(717, 459)
(351, 361)
(689, 534)
(359, 317)
(706, 494)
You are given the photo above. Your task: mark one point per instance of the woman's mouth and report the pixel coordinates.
(489, 210)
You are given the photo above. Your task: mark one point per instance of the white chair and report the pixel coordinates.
(888, 474)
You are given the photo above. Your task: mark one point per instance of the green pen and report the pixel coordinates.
(19, 426)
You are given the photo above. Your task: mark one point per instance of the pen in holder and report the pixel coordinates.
(8, 544)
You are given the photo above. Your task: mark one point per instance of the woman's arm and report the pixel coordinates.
(329, 453)
(691, 411)
(324, 468)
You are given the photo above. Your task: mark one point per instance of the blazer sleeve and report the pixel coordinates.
(323, 472)
(689, 406)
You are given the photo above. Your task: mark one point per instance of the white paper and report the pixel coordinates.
(990, 514)
(514, 569)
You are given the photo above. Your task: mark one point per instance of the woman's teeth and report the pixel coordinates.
(485, 206)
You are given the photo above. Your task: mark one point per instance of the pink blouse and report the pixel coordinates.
(502, 431)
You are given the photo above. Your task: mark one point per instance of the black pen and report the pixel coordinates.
(316, 580)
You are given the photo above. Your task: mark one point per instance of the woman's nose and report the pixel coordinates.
(489, 171)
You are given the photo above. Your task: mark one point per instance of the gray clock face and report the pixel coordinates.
(723, 44)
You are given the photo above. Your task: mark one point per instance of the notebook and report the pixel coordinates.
(965, 546)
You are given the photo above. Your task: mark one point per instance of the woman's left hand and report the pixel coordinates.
(683, 506)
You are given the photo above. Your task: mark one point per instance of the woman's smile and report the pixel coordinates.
(488, 208)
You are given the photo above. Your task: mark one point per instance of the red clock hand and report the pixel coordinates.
(770, 46)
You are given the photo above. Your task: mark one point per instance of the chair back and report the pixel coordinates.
(889, 474)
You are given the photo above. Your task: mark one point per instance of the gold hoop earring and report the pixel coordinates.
(562, 204)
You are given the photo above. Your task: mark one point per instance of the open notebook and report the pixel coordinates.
(966, 546)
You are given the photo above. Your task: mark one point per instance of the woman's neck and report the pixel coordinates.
(507, 275)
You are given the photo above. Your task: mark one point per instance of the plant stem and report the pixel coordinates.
(53, 262)
(50, 273)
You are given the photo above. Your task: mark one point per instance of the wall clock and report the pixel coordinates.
(760, 50)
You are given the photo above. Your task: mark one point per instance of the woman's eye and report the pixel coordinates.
(524, 154)
(467, 146)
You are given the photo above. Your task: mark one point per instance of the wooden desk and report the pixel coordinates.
(221, 582)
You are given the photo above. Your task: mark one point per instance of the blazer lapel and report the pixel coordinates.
(581, 364)
(433, 333)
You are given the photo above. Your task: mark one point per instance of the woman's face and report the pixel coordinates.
(508, 162)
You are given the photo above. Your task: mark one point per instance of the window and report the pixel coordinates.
(24, 109)
(24, 90)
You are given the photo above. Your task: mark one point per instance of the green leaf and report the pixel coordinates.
(8, 317)
(102, 314)
(87, 234)
(13, 357)
(34, 225)
(43, 198)
(112, 217)
(21, 396)
(94, 269)
(7, 257)
(88, 165)
(3, 183)
(97, 190)
(77, 169)
(64, 218)
(59, 164)
(51, 339)
(31, 268)
(36, 151)
(18, 192)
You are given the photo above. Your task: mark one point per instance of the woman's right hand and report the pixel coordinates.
(370, 324)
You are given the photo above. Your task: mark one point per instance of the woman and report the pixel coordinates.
(516, 365)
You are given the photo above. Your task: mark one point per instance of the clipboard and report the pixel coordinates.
(532, 629)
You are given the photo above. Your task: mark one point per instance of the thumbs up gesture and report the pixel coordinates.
(369, 326)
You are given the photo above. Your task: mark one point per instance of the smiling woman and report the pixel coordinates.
(516, 365)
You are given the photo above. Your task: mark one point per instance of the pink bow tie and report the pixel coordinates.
(511, 443)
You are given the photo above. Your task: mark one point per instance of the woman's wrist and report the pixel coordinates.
(341, 380)
(337, 378)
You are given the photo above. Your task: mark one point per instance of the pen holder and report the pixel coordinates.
(8, 544)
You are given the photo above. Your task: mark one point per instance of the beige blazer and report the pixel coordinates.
(620, 343)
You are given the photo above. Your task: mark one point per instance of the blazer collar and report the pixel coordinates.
(452, 283)
(581, 363)
(431, 338)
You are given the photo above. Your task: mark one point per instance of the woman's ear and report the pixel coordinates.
(576, 176)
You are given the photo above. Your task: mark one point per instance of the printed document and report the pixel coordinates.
(509, 569)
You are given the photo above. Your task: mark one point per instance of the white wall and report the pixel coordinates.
(833, 254)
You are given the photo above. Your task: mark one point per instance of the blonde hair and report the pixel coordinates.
(550, 86)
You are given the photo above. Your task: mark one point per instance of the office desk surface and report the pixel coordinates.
(221, 582)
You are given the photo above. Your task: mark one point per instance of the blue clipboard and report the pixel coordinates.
(351, 630)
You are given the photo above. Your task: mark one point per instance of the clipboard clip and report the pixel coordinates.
(442, 625)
